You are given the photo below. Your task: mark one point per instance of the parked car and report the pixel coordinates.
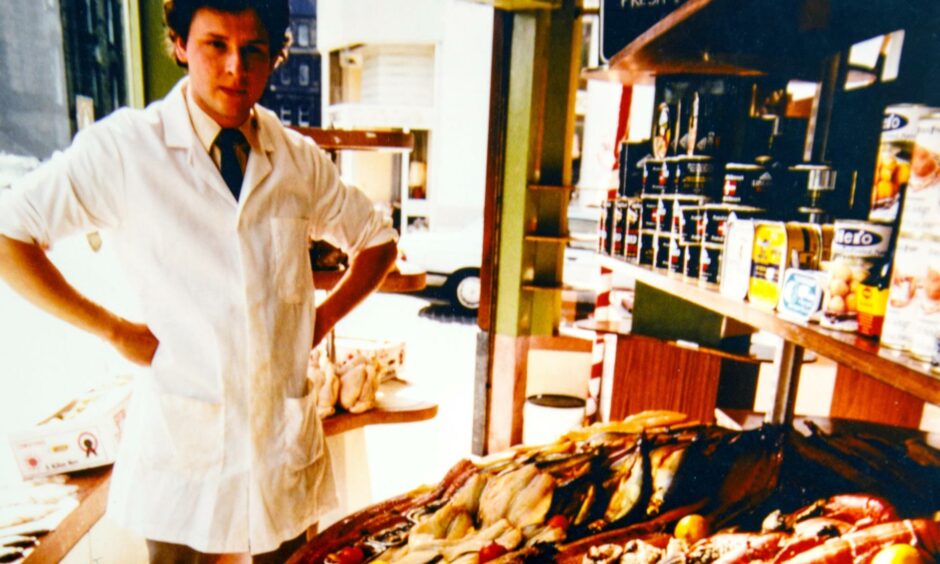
(451, 260)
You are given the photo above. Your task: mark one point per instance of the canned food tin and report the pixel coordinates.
(655, 176)
(689, 221)
(620, 227)
(909, 272)
(649, 205)
(747, 185)
(695, 175)
(857, 247)
(634, 215)
(664, 243)
(778, 246)
(663, 216)
(676, 256)
(926, 325)
(816, 184)
(922, 199)
(716, 217)
(693, 254)
(893, 164)
(647, 253)
(605, 225)
(710, 263)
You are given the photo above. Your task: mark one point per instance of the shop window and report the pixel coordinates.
(303, 35)
(874, 60)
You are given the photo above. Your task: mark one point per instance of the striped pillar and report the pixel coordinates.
(601, 313)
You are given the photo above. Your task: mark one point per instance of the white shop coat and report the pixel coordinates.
(222, 448)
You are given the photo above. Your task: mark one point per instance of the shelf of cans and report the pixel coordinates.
(762, 232)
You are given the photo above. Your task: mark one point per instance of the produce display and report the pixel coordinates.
(653, 488)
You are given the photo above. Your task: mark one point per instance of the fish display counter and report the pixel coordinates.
(656, 487)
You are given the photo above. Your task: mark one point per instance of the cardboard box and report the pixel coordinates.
(83, 434)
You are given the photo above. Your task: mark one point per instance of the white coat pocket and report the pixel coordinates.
(292, 271)
(303, 434)
(183, 434)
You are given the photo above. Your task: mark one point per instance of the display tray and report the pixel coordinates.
(614, 483)
(395, 403)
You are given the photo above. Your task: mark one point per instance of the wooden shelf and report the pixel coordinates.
(849, 349)
(358, 140)
(753, 37)
(393, 406)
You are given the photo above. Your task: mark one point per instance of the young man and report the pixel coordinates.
(211, 204)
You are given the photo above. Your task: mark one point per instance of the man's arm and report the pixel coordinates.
(366, 272)
(29, 272)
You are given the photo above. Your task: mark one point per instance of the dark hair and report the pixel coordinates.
(274, 16)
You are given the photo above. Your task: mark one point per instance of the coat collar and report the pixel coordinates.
(179, 134)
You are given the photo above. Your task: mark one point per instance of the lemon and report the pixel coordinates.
(691, 528)
(898, 554)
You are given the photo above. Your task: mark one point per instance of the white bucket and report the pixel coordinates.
(546, 417)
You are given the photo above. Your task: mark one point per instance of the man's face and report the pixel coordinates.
(229, 62)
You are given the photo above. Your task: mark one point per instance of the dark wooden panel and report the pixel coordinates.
(857, 396)
(651, 374)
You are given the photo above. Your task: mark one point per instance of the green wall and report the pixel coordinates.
(160, 70)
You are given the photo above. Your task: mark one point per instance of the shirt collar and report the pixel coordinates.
(207, 129)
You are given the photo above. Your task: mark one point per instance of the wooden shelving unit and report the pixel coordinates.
(854, 351)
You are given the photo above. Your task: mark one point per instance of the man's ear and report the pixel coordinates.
(179, 49)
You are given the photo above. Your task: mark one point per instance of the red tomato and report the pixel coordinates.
(559, 522)
(491, 551)
(350, 555)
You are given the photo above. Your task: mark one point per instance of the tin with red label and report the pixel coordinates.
(647, 252)
(710, 263)
(650, 211)
(693, 255)
(716, 217)
(676, 256)
(747, 185)
(620, 227)
(605, 226)
(690, 223)
(893, 164)
(655, 177)
(663, 248)
(634, 215)
(663, 215)
(857, 246)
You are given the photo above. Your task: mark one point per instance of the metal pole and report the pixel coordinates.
(788, 361)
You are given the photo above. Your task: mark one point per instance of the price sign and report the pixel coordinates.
(623, 20)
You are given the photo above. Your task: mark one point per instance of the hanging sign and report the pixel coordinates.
(622, 21)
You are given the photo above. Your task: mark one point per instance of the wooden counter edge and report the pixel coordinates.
(93, 484)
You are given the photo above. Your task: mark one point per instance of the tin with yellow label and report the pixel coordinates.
(778, 246)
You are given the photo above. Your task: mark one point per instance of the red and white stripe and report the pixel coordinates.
(601, 313)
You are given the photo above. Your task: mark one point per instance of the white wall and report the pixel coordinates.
(341, 23)
(457, 175)
(461, 32)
